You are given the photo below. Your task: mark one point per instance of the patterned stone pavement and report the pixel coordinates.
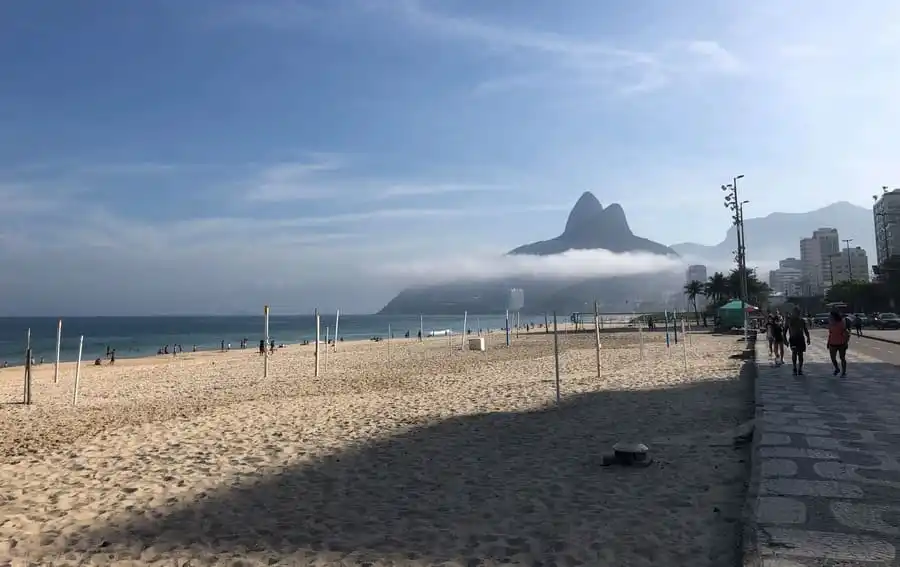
(826, 486)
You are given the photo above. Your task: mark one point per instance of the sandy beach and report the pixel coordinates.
(402, 454)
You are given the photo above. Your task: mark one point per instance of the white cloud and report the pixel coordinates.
(568, 265)
(290, 181)
(416, 190)
(559, 60)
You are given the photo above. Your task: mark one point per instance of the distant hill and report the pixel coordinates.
(589, 227)
(777, 236)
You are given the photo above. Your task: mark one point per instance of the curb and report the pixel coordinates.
(880, 339)
(750, 555)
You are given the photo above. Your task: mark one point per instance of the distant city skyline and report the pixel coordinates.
(215, 155)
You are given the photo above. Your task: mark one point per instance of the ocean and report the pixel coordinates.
(144, 336)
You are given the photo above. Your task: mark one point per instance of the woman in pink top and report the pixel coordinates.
(838, 339)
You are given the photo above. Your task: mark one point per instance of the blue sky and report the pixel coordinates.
(209, 156)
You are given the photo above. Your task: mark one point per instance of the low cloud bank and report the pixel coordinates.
(574, 264)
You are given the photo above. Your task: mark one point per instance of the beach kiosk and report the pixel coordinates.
(731, 315)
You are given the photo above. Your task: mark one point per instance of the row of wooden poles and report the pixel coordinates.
(26, 395)
(28, 354)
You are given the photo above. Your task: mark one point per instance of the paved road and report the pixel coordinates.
(827, 462)
(893, 335)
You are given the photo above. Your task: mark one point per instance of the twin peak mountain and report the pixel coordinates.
(589, 227)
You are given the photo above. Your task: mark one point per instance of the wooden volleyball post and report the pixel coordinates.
(78, 371)
(556, 356)
(266, 345)
(337, 323)
(318, 338)
(26, 395)
(58, 346)
(325, 358)
(597, 337)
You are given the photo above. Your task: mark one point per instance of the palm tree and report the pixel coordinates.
(716, 288)
(692, 289)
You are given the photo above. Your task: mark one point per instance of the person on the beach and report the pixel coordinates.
(419, 333)
(107, 351)
(778, 338)
(838, 341)
(271, 346)
(112, 356)
(798, 338)
(262, 346)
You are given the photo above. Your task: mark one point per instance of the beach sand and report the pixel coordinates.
(402, 454)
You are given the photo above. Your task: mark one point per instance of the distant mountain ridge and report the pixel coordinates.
(777, 235)
(588, 227)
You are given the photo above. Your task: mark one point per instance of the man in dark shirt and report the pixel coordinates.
(798, 339)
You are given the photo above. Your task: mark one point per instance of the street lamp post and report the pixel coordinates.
(733, 202)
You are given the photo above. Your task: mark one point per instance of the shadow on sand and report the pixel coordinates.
(523, 487)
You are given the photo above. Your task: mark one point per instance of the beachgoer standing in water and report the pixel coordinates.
(838, 341)
(798, 339)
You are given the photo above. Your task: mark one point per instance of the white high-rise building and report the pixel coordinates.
(850, 263)
(829, 244)
(793, 263)
(788, 281)
(886, 213)
(809, 265)
(698, 273)
(815, 261)
(516, 299)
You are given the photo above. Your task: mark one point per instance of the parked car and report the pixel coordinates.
(887, 321)
(820, 319)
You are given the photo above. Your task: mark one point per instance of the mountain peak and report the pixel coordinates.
(614, 219)
(586, 212)
(591, 227)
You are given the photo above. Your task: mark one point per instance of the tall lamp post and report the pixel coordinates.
(733, 202)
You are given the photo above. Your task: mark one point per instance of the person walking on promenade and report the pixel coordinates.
(778, 338)
(770, 336)
(838, 341)
(798, 339)
(857, 322)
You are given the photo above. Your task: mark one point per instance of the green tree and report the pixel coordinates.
(757, 291)
(860, 295)
(692, 289)
(716, 289)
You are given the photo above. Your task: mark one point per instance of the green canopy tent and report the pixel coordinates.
(731, 315)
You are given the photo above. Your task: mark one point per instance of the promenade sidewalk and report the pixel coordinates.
(826, 464)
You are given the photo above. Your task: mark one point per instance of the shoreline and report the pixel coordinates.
(161, 360)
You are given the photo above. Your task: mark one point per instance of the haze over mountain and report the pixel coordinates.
(777, 235)
(589, 227)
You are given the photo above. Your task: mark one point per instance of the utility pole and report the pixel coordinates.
(733, 202)
(847, 242)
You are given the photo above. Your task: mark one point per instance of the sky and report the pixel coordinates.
(210, 156)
